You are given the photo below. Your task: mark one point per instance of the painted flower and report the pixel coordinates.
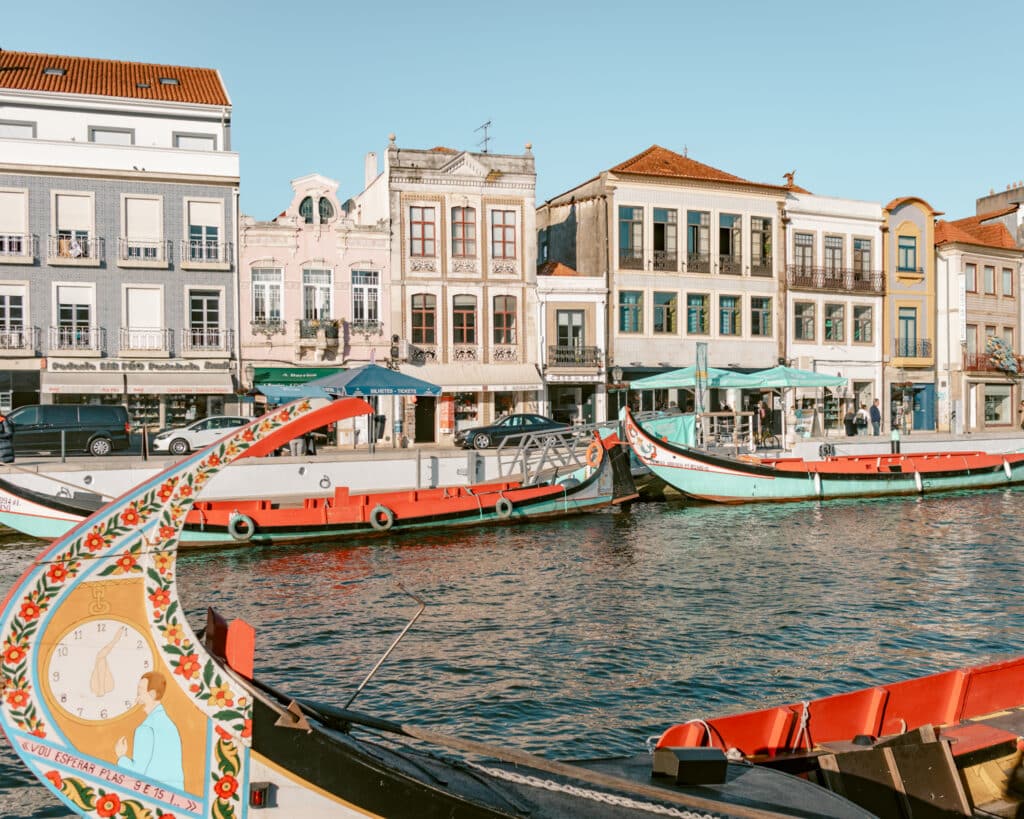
(38, 732)
(188, 667)
(194, 688)
(222, 696)
(167, 532)
(55, 779)
(130, 516)
(14, 654)
(247, 434)
(165, 816)
(226, 787)
(174, 634)
(200, 478)
(185, 491)
(94, 541)
(29, 610)
(18, 698)
(213, 460)
(231, 450)
(58, 573)
(160, 599)
(243, 701)
(163, 562)
(125, 563)
(247, 730)
(166, 490)
(222, 733)
(108, 805)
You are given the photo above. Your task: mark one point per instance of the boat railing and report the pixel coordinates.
(726, 430)
(539, 455)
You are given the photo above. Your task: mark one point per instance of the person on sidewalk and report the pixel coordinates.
(861, 420)
(876, 418)
(6, 440)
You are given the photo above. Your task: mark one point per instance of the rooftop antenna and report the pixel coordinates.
(483, 142)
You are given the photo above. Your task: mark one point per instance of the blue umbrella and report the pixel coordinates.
(370, 380)
(283, 393)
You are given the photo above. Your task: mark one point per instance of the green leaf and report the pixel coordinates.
(79, 793)
(227, 714)
(227, 758)
(154, 575)
(208, 673)
(130, 809)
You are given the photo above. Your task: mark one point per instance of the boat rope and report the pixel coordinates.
(805, 717)
(58, 480)
(586, 793)
(707, 729)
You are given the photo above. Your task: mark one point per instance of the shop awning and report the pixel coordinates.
(478, 377)
(91, 383)
(180, 383)
(290, 375)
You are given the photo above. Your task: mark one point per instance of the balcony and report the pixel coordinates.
(145, 340)
(666, 260)
(761, 267)
(572, 356)
(17, 248)
(834, 279)
(631, 258)
(206, 340)
(16, 339)
(912, 347)
(698, 263)
(267, 327)
(77, 340)
(84, 251)
(730, 265)
(205, 254)
(986, 363)
(366, 327)
(318, 329)
(143, 253)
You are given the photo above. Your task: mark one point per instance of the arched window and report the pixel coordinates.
(326, 210)
(306, 210)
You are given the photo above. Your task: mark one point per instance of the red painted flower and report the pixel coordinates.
(94, 541)
(39, 732)
(194, 688)
(125, 563)
(130, 516)
(166, 490)
(226, 787)
(213, 460)
(222, 733)
(160, 599)
(55, 778)
(108, 805)
(247, 730)
(185, 491)
(14, 654)
(58, 573)
(247, 435)
(18, 698)
(167, 532)
(188, 667)
(29, 610)
(165, 816)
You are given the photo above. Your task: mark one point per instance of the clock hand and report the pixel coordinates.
(101, 682)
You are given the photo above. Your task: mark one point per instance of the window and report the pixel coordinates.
(12, 317)
(990, 279)
(74, 317)
(803, 251)
(306, 210)
(204, 330)
(998, 406)
(143, 229)
(730, 253)
(196, 142)
(906, 342)
(570, 328)
(14, 238)
(504, 319)
(833, 255)
(365, 298)
(204, 231)
(666, 239)
(760, 316)
(112, 136)
(326, 210)
(143, 319)
(631, 237)
(1007, 281)
(666, 306)
(316, 294)
(421, 231)
(971, 278)
(1008, 337)
(17, 130)
(503, 234)
(631, 311)
(863, 324)
(803, 321)
(835, 323)
(972, 339)
(697, 322)
(729, 315)
(74, 226)
(906, 260)
(698, 241)
(760, 246)
(424, 317)
(266, 295)
(542, 247)
(464, 232)
(862, 256)
(464, 319)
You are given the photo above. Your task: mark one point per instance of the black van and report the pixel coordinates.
(96, 428)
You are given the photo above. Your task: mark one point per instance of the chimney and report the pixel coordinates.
(370, 169)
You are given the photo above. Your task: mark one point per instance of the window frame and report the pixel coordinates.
(94, 129)
(803, 319)
(668, 313)
(971, 277)
(988, 274)
(463, 239)
(504, 321)
(419, 228)
(500, 233)
(1007, 276)
(834, 327)
(269, 288)
(320, 292)
(630, 313)
(572, 331)
(423, 318)
(464, 319)
(703, 316)
(735, 312)
(906, 251)
(859, 324)
(761, 315)
(365, 294)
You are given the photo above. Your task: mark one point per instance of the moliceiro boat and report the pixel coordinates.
(602, 481)
(707, 476)
(121, 710)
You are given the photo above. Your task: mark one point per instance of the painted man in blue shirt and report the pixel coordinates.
(156, 744)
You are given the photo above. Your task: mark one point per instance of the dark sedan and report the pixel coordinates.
(510, 425)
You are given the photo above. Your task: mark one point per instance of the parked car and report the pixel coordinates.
(494, 434)
(198, 434)
(95, 428)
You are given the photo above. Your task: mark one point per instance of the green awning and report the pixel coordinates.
(291, 375)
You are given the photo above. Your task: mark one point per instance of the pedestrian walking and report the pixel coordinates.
(861, 420)
(876, 418)
(6, 439)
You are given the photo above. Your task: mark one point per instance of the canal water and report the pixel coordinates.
(584, 637)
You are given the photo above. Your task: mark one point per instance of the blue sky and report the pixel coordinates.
(864, 100)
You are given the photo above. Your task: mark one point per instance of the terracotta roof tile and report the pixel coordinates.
(556, 269)
(441, 149)
(658, 161)
(970, 231)
(110, 78)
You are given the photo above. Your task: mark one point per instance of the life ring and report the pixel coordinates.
(595, 452)
(245, 521)
(382, 518)
(826, 451)
(503, 508)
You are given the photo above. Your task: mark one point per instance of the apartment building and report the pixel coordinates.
(463, 280)
(118, 208)
(978, 269)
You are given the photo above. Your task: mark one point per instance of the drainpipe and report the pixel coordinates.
(237, 288)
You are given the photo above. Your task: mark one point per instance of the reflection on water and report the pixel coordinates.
(583, 637)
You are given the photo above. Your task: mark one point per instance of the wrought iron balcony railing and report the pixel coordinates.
(631, 258)
(761, 267)
(834, 279)
(145, 339)
(912, 347)
(17, 337)
(730, 265)
(204, 251)
(698, 263)
(560, 355)
(157, 251)
(985, 362)
(18, 244)
(666, 260)
(267, 327)
(312, 328)
(206, 340)
(77, 338)
(366, 327)
(72, 247)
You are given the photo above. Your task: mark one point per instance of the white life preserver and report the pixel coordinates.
(245, 521)
(503, 508)
(1007, 469)
(382, 518)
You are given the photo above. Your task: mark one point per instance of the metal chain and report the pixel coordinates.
(597, 796)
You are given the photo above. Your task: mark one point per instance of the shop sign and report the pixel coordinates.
(446, 414)
(134, 366)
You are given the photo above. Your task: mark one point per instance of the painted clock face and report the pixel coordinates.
(94, 670)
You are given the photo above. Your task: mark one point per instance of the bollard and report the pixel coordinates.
(63, 446)
(145, 443)
(894, 441)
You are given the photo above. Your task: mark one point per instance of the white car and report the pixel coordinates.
(198, 434)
